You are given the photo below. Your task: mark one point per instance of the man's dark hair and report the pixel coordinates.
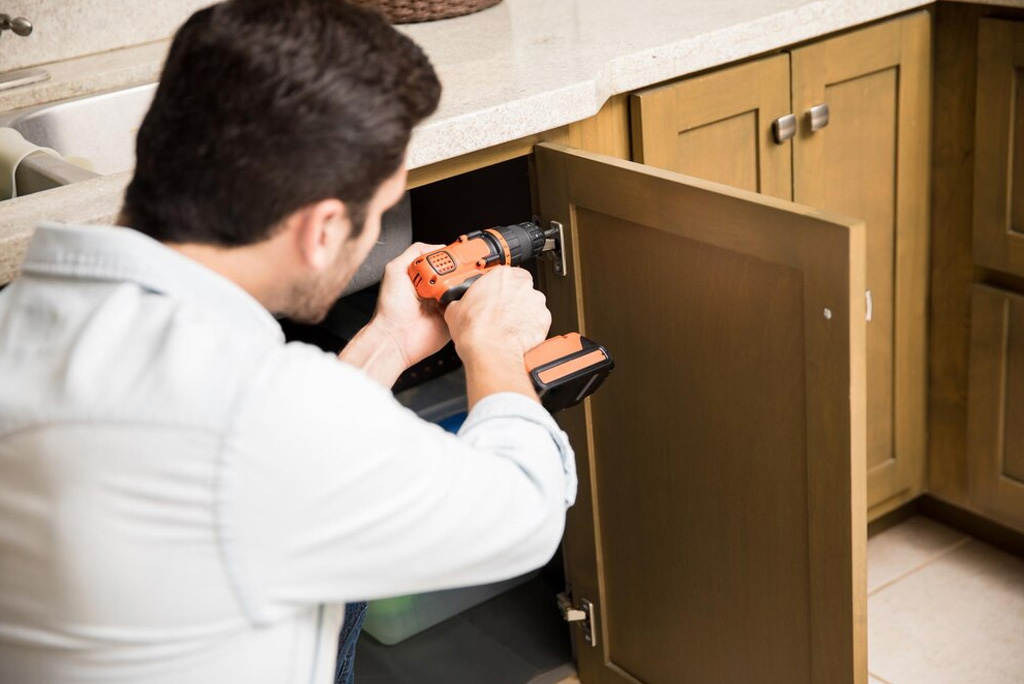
(267, 106)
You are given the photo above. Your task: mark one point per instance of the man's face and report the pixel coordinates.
(315, 296)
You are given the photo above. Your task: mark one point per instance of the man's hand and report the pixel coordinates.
(417, 326)
(404, 329)
(500, 318)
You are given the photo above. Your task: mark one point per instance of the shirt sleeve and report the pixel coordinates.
(331, 491)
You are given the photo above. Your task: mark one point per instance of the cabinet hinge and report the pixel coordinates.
(584, 614)
(554, 246)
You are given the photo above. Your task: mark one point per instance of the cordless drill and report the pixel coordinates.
(565, 369)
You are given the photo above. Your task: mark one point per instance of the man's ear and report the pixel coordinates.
(320, 229)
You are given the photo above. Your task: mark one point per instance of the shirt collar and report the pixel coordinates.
(122, 254)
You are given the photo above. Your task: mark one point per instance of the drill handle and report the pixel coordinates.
(457, 291)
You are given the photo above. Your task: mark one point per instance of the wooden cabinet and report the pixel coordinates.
(719, 529)
(995, 432)
(976, 336)
(995, 399)
(870, 160)
(722, 466)
(999, 147)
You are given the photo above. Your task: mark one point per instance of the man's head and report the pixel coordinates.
(281, 120)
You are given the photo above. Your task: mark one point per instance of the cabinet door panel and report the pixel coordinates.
(719, 126)
(995, 432)
(722, 464)
(871, 161)
(999, 147)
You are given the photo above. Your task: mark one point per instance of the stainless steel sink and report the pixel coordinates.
(97, 131)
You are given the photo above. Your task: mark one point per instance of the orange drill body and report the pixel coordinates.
(446, 274)
(564, 370)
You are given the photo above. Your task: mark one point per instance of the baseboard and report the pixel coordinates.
(1000, 536)
(968, 522)
(893, 517)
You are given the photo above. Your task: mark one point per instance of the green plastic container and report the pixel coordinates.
(391, 621)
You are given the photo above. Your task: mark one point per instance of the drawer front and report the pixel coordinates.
(999, 147)
(995, 406)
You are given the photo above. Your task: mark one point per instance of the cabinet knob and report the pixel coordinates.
(19, 25)
(784, 128)
(818, 116)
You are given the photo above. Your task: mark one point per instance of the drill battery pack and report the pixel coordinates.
(567, 369)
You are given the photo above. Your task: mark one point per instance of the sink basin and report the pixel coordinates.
(97, 131)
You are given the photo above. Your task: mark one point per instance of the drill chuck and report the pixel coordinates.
(512, 245)
(524, 240)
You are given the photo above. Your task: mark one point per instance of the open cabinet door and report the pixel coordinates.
(719, 533)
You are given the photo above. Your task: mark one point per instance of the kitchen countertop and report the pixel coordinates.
(521, 67)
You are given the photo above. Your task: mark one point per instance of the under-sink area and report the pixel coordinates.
(94, 134)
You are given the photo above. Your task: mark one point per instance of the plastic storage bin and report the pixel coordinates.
(389, 621)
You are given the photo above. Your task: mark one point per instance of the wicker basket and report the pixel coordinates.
(409, 11)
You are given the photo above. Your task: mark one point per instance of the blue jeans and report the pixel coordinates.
(355, 614)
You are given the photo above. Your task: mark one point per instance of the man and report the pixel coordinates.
(183, 496)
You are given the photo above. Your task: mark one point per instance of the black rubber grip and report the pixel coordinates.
(456, 292)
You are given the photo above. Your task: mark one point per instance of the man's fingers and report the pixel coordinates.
(450, 311)
(416, 249)
(424, 247)
(513, 272)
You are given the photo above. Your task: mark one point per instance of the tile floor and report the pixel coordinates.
(943, 608)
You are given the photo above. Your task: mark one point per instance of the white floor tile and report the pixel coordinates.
(906, 547)
(957, 620)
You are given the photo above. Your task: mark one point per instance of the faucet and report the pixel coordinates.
(19, 26)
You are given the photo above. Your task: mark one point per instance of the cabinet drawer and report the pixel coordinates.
(999, 147)
(995, 404)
